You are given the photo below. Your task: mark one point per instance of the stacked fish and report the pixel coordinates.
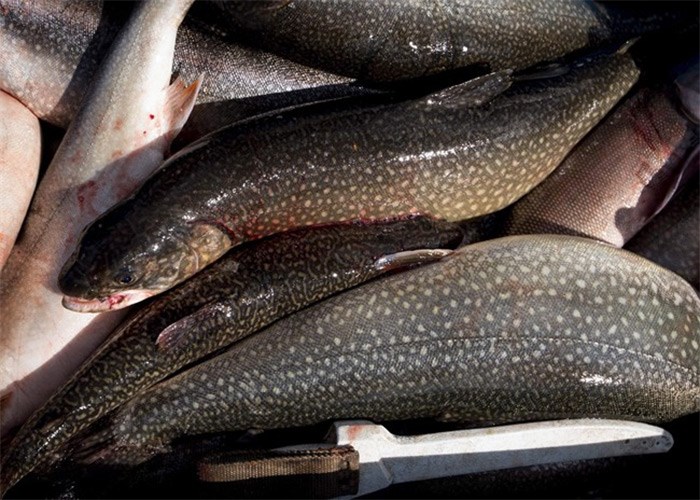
(479, 165)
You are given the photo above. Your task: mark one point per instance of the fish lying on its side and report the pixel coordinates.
(619, 176)
(442, 155)
(246, 290)
(513, 329)
(52, 50)
(672, 238)
(118, 138)
(385, 40)
(20, 153)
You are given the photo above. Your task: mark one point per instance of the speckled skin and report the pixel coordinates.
(618, 177)
(512, 329)
(437, 156)
(385, 40)
(244, 291)
(672, 238)
(52, 48)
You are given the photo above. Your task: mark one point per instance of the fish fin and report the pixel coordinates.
(652, 202)
(409, 258)
(474, 92)
(544, 71)
(179, 101)
(179, 333)
(687, 88)
(174, 334)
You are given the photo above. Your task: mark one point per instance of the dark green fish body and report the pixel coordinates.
(385, 40)
(672, 238)
(512, 329)
(241, 293)
(439, 155)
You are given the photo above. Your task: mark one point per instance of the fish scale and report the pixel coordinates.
(512, 329)
(443, 155)
(386, 40)
(243, 292)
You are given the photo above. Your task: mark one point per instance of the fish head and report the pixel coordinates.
(117, 264)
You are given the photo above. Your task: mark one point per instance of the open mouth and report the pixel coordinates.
(110, 303)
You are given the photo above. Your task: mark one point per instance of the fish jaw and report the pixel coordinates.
(110, 303)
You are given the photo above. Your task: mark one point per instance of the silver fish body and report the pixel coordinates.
(52, 49)
(512, 329)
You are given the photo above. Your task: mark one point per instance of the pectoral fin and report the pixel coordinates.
(178, 103)
(187, 329)
(410, 258)
(474, 92)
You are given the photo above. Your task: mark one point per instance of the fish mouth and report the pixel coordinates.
(110, 303)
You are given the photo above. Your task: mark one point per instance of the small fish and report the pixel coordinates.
(455, 154)
(512, 329)
(246, 290)
(20, 153)
(620, 176)
(387, 40)
(672, 238)
(119, 136)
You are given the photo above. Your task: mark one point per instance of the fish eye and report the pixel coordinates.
(125, 277)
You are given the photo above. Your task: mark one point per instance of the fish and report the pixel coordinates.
(384, 41)
(244, 291)
(461, 152)
(20, 154)
(532, 327)
(672, 238)
(53, 48)
(621, 175)
(119, 136)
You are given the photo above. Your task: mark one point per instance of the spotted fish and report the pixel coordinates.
(511, 329)
(120, 135)
(386, 40)
(441, 155)
(244, 291)
(619, 176)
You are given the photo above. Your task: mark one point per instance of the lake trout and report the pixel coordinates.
(117, 139)
(52, 50)
(442, 155)
(620, 176)
(20, 153)
(672, 238)
(387, 40)
(244, 291)
(513, 329)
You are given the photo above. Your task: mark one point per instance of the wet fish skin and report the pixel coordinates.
(20, 154)
(244, 291)
(512, 329)
(618, 177)
(672, 238)
(119, 136)
(387, 40)
(304, 168)
(54, 47)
